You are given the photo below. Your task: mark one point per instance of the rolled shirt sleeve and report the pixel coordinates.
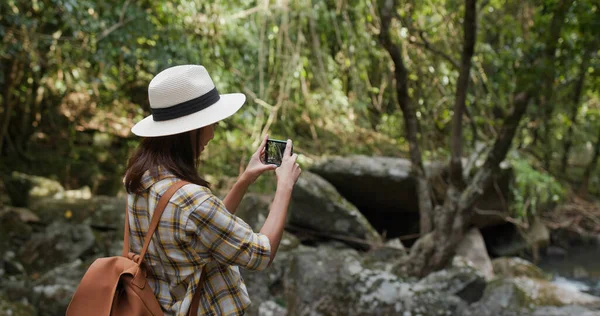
(227, 237)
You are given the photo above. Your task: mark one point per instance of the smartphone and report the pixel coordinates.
(274, 151)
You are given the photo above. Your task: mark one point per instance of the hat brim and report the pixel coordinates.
(227, 105)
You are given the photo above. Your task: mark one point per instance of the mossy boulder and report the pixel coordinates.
(59, 243)
(12, 308)
(317, 205)
(334, 280)
(24, 188)
(105, 212)
(544, 293)
(516, 267)
(526, 296)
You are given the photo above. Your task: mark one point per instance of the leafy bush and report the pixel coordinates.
(532, 189)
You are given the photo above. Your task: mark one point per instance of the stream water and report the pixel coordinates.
(579, 269)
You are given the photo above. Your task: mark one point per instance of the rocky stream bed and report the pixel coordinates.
(338, 256)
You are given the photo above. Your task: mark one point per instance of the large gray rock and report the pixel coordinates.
(543, 293)
(14, 233)
(392, 250)
(527, 296)
(472, 248)
(105, 212)
(25, 215)
(266, 288)
(317, 205)
(385, 191)
(465, 282)
(53, 291)
(333, 280)
(500, 299)
(565, 311)
(254, 209)
(61, 242)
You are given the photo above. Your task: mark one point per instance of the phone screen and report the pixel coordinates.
(274, 151)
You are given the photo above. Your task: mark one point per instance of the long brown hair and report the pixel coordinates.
(176, 153)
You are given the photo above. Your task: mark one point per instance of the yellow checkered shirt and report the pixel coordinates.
(192, 235)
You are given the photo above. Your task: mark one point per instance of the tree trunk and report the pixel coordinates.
(577, 92)
(456, 143)
(410, 118)
(590, 167)
(8, 104)
(434, 251)
(441, 234)
(549, 72)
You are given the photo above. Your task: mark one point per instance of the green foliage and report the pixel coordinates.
(532, 190)
(73, 72)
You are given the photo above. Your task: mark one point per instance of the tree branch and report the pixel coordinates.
(497, 154)
(427, 45)
(409, 114)
(456, 142)
(117, 25)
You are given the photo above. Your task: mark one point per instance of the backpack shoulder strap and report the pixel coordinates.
(162, 203)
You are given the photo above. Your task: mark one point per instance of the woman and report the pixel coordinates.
(199, 243)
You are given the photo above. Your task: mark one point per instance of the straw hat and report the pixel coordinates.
(184, 98)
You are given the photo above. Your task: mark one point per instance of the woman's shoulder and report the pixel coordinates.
(188, 196)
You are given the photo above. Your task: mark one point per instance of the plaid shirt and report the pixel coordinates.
(192, 235)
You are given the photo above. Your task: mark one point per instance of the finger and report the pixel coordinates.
(267, 168)
(261, 156)
(293, 158)
(288, 148)
(261, 148)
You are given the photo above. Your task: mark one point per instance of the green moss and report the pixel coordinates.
(8, 308)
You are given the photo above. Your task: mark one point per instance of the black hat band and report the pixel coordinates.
(186, 108)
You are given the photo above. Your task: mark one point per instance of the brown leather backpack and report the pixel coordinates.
(118, 285)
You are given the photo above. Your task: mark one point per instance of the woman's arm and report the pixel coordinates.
(287, 175)
(254, 169)
(275, 222)
(236, 194)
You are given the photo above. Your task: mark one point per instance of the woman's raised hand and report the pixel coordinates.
(289, 171)
(256, 166)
